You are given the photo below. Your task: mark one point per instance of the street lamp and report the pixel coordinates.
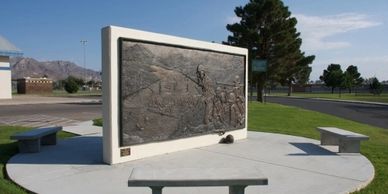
(83, 42)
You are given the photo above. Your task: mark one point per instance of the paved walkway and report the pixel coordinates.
(292, 164)
(84, 128)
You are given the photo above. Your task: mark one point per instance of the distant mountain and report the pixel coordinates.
(56, 70)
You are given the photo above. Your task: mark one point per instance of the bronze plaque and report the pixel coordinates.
(125, 152)
(169, 92)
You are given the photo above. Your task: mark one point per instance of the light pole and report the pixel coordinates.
(83, 42)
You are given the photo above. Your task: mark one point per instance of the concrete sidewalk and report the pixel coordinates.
(84, 128)
(291, 164)
(34, 99)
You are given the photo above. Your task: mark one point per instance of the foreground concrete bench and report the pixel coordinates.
(30, 141)
(348, 142)
(235, 178)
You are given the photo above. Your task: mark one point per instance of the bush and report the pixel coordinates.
(71, 86)
(375, 87)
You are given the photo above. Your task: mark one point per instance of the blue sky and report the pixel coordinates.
(348, 32)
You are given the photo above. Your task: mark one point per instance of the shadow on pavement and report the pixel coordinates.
(84, 150)
(311, 149)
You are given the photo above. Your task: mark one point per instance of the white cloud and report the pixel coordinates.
(315, 29)
(232, 19)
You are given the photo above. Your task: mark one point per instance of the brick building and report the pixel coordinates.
(34, 86)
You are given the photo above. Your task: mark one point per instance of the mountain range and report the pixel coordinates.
(55, 70)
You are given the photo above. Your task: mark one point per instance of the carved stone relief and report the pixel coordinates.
(170, 92)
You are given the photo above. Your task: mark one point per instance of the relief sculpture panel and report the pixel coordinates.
(169, 92)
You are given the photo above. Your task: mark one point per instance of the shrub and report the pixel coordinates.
(71, 86)
(375, 87)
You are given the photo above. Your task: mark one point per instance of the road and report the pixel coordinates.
(375, 115)
(38, 115)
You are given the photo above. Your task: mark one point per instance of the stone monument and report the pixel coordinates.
(163, 94)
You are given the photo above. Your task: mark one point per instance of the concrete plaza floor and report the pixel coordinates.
(292, 164)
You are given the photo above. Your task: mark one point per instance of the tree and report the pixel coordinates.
(80, 82)
(375, 87)
(303, 75)
(71, 85)
(297, 73)
(352, 78)
(268, 31)
(333, 76)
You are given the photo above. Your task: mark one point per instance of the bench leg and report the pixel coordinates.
(237, 189)
(349, 146)
(156, 190)
(327, 139)
(50, 139)
(29, 146)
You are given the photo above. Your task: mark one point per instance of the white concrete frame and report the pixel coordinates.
(110, 74)
(5, 78)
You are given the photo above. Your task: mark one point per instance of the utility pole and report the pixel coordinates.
(83, 42)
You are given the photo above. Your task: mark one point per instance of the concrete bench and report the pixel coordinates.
(235, 178)
(348, 142)
(30, 141)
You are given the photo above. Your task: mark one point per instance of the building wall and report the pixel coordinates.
(34, 86)
(5, 78)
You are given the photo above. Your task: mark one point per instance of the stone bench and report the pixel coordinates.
(235, 178)
(30, 141)
(348, 142)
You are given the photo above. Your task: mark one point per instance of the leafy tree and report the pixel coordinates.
(80, 82)
(297, 73)
(91, 83)
(269, 32)
(71, 86)
(375, 87)
(303, 75)
(333, 76)
(352, 78)
(59, 84)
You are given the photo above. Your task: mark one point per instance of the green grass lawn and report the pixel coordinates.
(8, 148)
(97, 122)
(344, 96)
(276, 118)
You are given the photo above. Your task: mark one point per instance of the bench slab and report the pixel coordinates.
(36, 133)
(348, 142)
(343, 133)
(30, 141)
(236, 178)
